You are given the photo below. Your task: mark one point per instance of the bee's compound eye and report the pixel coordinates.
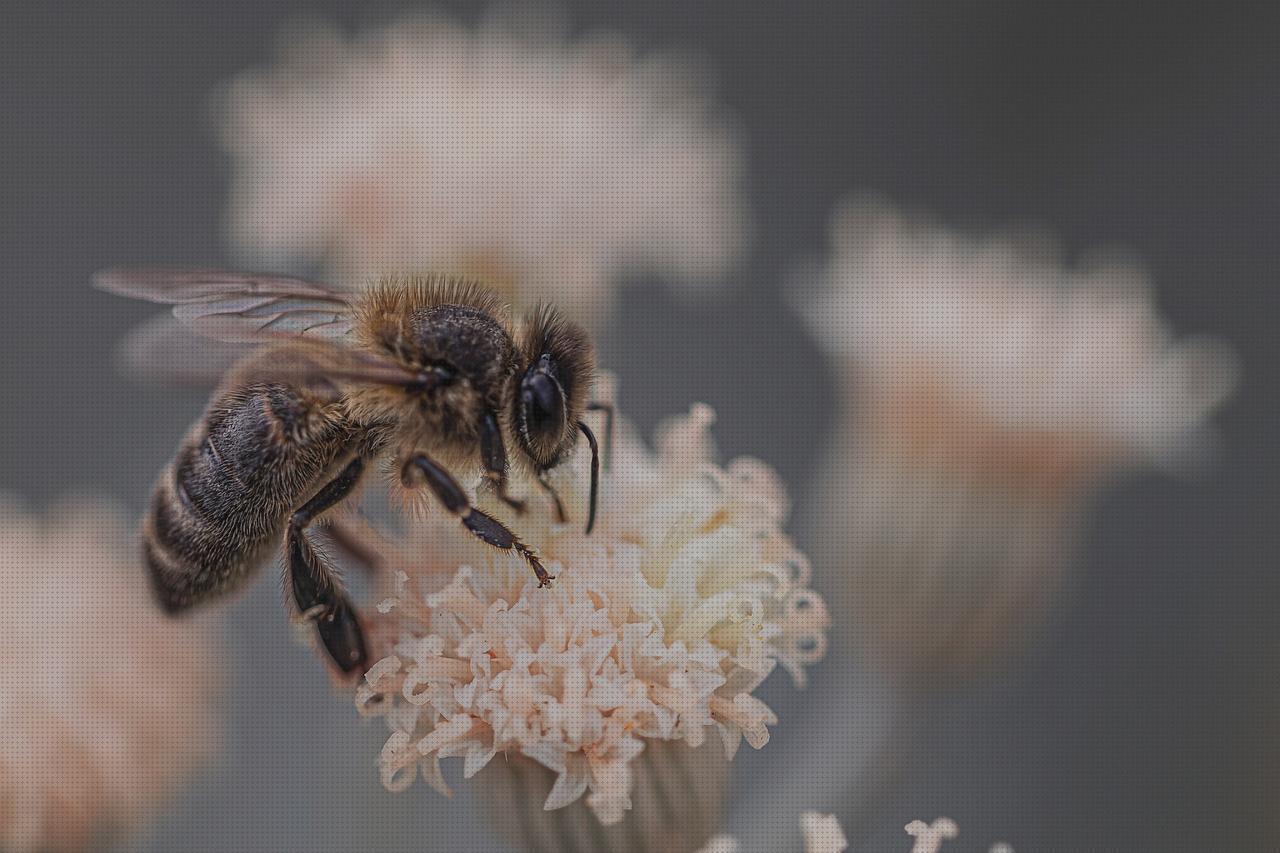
(542, 404)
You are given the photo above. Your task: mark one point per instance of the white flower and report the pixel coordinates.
(546, 164)
(930, 836)
(659, 626)
(105, 703)
(822, 834)
(990, 392)
(995, 348)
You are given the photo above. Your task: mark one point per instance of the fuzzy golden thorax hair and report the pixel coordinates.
(456, 332)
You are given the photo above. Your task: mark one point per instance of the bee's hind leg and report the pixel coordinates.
(482, 525)
(316, 590)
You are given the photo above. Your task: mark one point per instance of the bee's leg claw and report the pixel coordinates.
(497, 534)
(483, 526)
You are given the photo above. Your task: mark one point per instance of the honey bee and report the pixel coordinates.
(428, 374)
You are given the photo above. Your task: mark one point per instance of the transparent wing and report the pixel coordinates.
(164, 351)
(230, 306)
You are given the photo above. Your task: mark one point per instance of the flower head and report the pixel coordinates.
(822, 834)
(659, 626)
(997, 391)
(105, 703)
(930, 836)
(545, 164)
(993, 353)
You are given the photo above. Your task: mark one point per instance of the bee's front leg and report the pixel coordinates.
(483, 526)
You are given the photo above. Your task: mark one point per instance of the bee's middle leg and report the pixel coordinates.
(316, 589)
(494, 454)
(482, 525)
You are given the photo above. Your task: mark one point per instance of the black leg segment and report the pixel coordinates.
(315, 588)
(545, 483)
(494, 453)
(607, 408)
(482, 525)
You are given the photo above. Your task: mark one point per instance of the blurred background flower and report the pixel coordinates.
(106, 705)
(929, 837)
(989, 392)
(821, 834)
(653, 639)
(547, 164)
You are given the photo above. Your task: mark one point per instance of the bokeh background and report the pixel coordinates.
(1145, 717)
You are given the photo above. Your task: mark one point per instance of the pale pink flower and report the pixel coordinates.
(658, 627)
(105, 703)
(990, 392)
(550, 165)
(930, 836)
(821, 834)
(1008, 353)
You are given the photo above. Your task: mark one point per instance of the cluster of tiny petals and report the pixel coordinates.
(997, 336)
(507, 150)
(929, 837)
(660, 625)
(821, 834)
(105, 702)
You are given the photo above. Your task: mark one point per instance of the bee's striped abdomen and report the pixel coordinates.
(223, 501)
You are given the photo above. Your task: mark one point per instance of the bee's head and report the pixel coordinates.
(551, 387)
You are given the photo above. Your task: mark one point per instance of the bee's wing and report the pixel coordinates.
(230, 306)
(163, 351)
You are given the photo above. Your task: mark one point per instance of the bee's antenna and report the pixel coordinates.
(595, 473)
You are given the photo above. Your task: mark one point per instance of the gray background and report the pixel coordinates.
(1146, 719)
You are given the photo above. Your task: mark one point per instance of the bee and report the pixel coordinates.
(428, 374)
